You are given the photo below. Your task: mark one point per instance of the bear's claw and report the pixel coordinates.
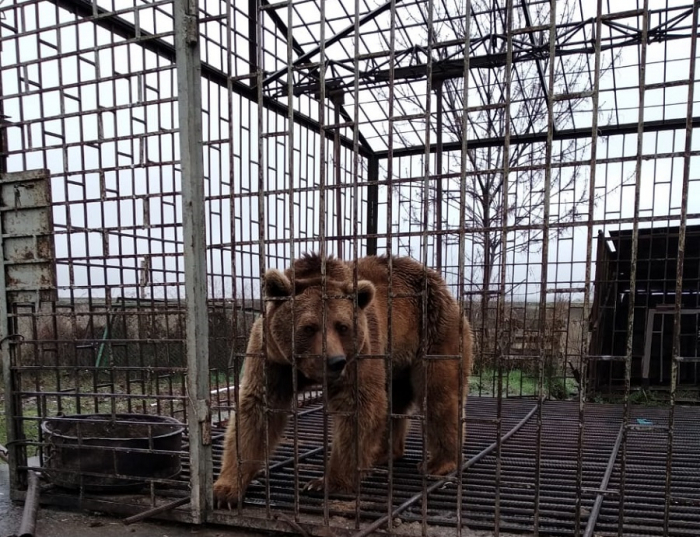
(225, 494)
(315, 485)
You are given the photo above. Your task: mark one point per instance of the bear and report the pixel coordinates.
(350, 364)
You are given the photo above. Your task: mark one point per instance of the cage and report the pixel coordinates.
(159, 157)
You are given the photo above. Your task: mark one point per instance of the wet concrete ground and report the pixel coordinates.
(52, 522)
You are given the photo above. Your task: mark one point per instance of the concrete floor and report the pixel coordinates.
(52, 522)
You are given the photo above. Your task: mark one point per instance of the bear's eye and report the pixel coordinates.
(308, 330)
(342, 328)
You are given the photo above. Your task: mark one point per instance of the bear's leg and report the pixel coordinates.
(398, 445)
(251, 418)
(343, 474)
(444, 434)
(402, 401)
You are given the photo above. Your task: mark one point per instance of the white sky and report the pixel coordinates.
(116, 186)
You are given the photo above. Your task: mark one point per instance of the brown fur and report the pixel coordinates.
(411, 381)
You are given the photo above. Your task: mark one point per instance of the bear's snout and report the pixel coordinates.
(336, 363)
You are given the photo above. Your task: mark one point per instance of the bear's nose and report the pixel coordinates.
(336, 363)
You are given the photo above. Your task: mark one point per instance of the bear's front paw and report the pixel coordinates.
(437, 467)
(332, 485)
(225, 494)
(315, 485)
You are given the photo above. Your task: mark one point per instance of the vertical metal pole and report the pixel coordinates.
(13, 450)
(425, 195)
(252, 35)
(541, 362)
(676, 350)
(389, 250)
(462, 261)
(337, 100)
(5, 356)
(372, 204)
(633, 262)
(16, 455)
(438, 176)
(197, 331)
(501, 305)
(584, 363)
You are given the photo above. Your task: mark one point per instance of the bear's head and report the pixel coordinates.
(302, 307)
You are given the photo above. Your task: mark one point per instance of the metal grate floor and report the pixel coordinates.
(644, 487)
(644, 484)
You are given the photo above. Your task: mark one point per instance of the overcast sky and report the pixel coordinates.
(116, 186)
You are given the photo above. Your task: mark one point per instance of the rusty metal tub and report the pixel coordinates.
(111, 452)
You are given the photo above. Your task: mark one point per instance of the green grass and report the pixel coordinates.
(518, 383)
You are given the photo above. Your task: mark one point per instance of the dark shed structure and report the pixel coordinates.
(652, 340)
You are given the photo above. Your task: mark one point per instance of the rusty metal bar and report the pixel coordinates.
(439, 171)
(372, 205)
(189, 82)
(439, 483)
(542, 313)
(262, 263)
(323, 186)
(462, 264)
(337, 100)
(593, 516)
(633, 261)
(680, 264)
(585, 347)
(501, 300)
(12, 452)
(424, 248)
(355, 170)
(156, 511)
(31, 506)
(389, 248)
(290, 142)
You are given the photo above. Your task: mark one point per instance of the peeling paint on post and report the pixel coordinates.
(194, 228)
(27, 275)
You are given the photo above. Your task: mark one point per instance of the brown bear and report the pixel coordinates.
(350, 364)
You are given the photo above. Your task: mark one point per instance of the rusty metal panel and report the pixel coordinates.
(28, 274)
(27, 233)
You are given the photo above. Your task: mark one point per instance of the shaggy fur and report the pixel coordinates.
(352, 356)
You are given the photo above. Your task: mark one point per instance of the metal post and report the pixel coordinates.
(5, 356)
(192, 170)
(438, 176)
(253, 35)
(373, 205)
(13, 450)
(337, 100)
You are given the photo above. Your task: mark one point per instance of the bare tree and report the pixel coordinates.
(489, 205)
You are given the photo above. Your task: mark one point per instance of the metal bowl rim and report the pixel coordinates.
(160, 420)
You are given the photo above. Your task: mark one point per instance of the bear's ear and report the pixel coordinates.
(277, 285)
(365, 293)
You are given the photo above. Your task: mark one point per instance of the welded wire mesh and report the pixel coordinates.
(539, 155)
